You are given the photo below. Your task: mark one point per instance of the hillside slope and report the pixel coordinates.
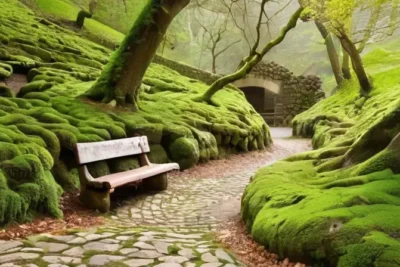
(42, 123)
(338, 205)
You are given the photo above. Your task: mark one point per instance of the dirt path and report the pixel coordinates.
(167, 229)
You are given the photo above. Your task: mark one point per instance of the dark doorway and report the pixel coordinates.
(262, 100)
(255, 96)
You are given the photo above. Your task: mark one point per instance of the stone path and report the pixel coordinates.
(168, 229)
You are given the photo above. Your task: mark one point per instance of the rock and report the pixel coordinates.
(202, 250)
(213, 264)
(186, 252)
(62, 259)
(125, 251)
(168, 264)
(20, 256)
(222, 255)
(143, 245)
(208, 257)
(139, 262)
(192, 236)
(101, 260)
(78, 240)
(174, 259)
(93, 237)
(32, 250)
(60, 238)
(110, 241)
(10, 265)
(123, 238)
(7, 245)
(51, 247)
(76, 251)
(161, 247)
(101, 246)
(146, 254)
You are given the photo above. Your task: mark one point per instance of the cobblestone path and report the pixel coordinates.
(168, 229)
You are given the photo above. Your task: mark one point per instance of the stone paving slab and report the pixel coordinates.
(165, 229)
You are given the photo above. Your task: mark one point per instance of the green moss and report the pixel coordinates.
(123, 164)
(5, 71)
(5, 91)
(185, 152)
(157, 154)
(38, 86)
(37, 95)
(152, 131)
(49, 117)
(98, 169)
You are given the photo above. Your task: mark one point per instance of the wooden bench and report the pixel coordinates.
(95, 193)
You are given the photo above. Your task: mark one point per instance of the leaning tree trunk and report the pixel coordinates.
(82, 15)
(251, 61)
(357, 63)
(346, 65)
(122, 76)
(332, 53)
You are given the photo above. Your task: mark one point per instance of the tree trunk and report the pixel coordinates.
(332, 53)
(251, 61)
(82, 15)
(357, 63)
(122, 76)
(346, 65)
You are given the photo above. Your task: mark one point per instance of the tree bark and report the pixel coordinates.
(122, 76)
(357, 63)
(332, 53)
(82, 15)
(346, 65)
(252, 60)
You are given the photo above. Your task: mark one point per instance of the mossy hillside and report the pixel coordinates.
(48, 117)
(337, 205)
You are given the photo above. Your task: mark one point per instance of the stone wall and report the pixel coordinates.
(297, 93)
(186, 70)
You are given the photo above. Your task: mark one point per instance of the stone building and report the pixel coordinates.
(277, 94)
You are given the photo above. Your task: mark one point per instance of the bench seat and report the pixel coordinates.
(119, 179)
(95, 192)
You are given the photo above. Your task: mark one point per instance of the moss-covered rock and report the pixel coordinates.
(185, 152)
(40, 127)
(336, 205)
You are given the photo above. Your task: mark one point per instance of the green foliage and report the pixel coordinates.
(336, 205)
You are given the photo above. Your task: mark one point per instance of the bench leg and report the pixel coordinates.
(156, 183)
(96, 199)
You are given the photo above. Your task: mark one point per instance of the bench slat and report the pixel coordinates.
(92, 152)
(122, 178)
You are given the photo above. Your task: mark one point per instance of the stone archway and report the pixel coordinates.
(264, 95)
(253, 81)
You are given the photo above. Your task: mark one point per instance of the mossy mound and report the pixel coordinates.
(336, 205)
(48, 117)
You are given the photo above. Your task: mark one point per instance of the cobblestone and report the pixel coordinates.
(167, 229)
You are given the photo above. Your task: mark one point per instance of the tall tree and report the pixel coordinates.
(337, 15)
(122, 76)
(332, 51)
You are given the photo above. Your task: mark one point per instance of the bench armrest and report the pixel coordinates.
(87, 179)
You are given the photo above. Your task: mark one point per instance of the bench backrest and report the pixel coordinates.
(97, 151)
